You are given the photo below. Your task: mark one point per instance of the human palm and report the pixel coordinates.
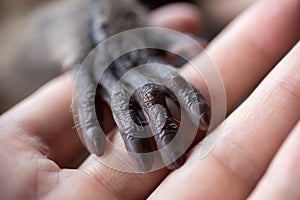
(38, 140)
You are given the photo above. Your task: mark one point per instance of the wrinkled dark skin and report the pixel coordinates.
(78, 27)
(140, 111)
(123, 18)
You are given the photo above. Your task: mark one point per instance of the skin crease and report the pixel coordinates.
(38, 125)
(282, 174)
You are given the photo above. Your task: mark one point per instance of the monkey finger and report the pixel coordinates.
(85, 113)
(135, 136)
(151, 98)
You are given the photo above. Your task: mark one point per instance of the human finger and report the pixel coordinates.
(249, 138)
(248, 48)
(282, 179)
(99, 170)
(182, 17)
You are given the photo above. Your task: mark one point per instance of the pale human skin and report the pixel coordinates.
(34, 133)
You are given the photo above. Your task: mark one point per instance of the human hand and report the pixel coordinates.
(38, 140)
(36, 136)
(252, 134)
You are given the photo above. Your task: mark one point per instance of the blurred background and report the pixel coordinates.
(18, 80)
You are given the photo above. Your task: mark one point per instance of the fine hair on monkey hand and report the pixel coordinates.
(64, 33)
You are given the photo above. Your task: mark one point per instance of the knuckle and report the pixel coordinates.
(151, 94)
